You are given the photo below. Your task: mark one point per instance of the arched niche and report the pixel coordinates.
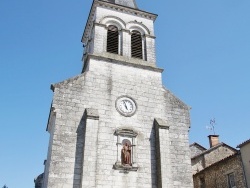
(126, 147)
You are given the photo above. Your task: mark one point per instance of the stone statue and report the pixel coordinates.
(126, 154)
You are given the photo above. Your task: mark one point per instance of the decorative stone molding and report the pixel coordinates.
(150, 36)
(124, 168)
(113, 20)
(126, 132)
(134, 25)
(117, 59)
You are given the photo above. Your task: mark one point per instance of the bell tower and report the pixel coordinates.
(115, 124)
(122, 32)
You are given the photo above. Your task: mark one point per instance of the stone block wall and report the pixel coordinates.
(217, 175)
(196, 150)
(211, 156)
(98, 88)
(217, 154)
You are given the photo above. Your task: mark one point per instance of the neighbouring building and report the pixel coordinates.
(115, 124)
(220, 166)
(245, 155)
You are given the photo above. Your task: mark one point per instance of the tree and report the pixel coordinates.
(5, 186)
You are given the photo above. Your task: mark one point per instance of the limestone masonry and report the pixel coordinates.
(115, 125)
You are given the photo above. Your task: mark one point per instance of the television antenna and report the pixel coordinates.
(211, 127)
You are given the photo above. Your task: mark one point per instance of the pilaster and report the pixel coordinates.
(100, 39)
(150, 49)
(162, 154)
(91, 119)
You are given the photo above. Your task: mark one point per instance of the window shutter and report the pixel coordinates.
(112, 39)
(136, 44)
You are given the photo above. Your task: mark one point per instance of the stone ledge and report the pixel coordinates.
(126, 132)
(161, 124)
(124, 168)
(91, 113)
(110, 58)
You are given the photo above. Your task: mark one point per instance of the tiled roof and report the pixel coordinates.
(222, 160)
(243, 143)
(197, 145)
(213, 148)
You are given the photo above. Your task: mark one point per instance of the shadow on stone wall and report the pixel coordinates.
(153, 157)
(79, 153)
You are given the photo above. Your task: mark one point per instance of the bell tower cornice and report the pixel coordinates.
(113, 6)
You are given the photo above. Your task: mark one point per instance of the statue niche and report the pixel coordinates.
(126, 153)
(126, 150)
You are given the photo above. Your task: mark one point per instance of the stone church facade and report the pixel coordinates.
(115, 124)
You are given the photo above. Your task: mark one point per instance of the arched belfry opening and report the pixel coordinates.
(136, 45)
(113, 39)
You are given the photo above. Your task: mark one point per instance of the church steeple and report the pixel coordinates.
(118, 30)
(126, 3)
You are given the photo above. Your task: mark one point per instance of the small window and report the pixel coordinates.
(202, 182)
(113, 39)
(231, 181)
(136, 45)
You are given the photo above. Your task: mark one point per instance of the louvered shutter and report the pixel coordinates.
(112, 39)
(136, 44)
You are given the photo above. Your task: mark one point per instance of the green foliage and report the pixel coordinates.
(5, 186)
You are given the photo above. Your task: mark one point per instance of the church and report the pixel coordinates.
(115, 125)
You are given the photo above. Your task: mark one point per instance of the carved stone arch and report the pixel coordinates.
(113, 39)
(138, 27)
(113, 20)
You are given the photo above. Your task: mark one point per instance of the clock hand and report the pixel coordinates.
(125, 105)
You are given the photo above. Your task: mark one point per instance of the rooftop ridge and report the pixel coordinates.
(243, 143)
(196, 144)
(212, 148)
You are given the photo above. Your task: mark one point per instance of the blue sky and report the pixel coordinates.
(204, 47)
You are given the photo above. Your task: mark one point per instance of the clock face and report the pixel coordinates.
(126, 106)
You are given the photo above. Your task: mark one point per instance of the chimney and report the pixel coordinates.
(213, 140)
